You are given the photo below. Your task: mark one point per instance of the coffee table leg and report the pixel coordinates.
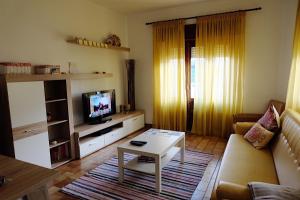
(182, 144)
(121, 163)
(158, 173)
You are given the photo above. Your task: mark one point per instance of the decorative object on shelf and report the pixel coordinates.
(146, 159)
(49, 116)
(125, 108)
(69, 67)
(86, 42)
(113, 40)
(47, 69)
(59, 154)
(54, 142)
(130, 63)
(15, 68)
(112, 43)
(122, 108)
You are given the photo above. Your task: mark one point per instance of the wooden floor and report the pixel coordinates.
(77, 168)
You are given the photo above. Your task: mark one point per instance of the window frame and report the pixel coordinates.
(190, 40)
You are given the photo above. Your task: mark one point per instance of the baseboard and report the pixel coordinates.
(148, 126)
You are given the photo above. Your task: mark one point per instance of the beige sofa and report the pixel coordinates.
(278, 164)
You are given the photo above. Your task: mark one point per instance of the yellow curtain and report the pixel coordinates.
(293, 95)
(169, 76)
(219, 70)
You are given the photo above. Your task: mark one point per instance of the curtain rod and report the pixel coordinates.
(185, 18)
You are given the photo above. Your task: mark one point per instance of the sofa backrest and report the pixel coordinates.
(286, 150)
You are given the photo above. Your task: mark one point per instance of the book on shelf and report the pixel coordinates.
(146, 159)
(59, 153)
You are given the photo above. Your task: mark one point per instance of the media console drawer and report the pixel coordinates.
(91, 144)
(134, 124)
(113, 136)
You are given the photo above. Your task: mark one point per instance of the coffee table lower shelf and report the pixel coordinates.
(149, 168)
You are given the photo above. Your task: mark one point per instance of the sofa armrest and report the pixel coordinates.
(242, 127)
(246, 117)
(227, 190)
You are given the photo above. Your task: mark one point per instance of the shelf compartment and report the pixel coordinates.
(59, 143)
(58, 111)
(55, 89)
(60, 163)
(60, 155)
(149, 168)
(55, 100)
(52, 123)
(59, 132)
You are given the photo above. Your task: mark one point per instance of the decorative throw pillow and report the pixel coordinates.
(258, 136)
(259, 191)
(269, 120)
(276, 116)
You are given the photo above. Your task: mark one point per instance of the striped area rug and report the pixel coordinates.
(179, 181)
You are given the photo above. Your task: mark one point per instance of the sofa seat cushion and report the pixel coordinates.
(242, 163)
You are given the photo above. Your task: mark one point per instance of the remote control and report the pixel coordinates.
(138, 143)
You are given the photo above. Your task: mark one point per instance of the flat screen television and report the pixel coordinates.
(98, 106)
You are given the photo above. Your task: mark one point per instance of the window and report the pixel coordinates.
(221, 65)
(193, 72)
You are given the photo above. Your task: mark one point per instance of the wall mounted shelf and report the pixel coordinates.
(95, 44)
(48, 77)
(89, 76)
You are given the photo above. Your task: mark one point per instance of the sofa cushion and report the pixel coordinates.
(269, 120)
(286, 150)
(242, 164)
(258, 136)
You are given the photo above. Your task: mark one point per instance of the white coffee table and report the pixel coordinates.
(162, 145)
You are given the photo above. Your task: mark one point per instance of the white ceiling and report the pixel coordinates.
(132, 6)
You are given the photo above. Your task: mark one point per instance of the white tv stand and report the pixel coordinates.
(90, 138)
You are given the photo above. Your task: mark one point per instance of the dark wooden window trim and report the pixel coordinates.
(190, 36)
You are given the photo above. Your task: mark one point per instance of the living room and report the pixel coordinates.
(73, 38)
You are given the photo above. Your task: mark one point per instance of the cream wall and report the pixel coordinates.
(269, 35)
(35, 31)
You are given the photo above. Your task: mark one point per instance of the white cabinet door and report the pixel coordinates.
(34, 149)
(26, 103)
(134, 124)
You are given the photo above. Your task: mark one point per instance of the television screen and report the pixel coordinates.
(100, 104)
